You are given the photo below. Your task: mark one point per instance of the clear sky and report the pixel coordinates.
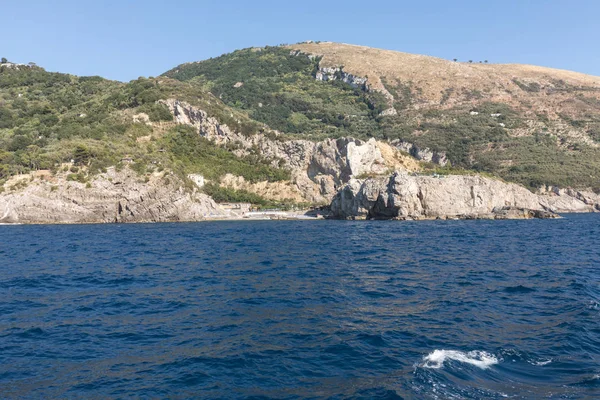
(124, 39)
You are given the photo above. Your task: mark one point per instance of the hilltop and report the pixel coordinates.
(437, 81)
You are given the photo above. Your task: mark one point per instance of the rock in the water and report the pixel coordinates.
(510, 212)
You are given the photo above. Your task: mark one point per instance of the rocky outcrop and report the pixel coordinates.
(569, 200)
(422, 154)
(318, 169)
(116, 196)
(337, 73)
(404, 196)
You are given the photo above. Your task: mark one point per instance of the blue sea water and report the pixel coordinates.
(286, 310)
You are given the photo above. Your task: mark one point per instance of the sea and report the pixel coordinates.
(302, 310)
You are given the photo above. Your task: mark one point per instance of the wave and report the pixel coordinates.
(519, 289)
(480, 359)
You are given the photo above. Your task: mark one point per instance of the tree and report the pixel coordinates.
(470, 61)
(455, 60)
(81, 155)
(4, 60)
(19, 142)
(486, 61)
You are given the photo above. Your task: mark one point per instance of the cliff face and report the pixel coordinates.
(569, 200)
(406, 196)
(318, 169)
(110, 197)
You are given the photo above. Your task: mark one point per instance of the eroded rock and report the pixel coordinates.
(116, 196)
(404, 196)
(318, 169)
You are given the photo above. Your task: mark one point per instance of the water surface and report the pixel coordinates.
(329, 309)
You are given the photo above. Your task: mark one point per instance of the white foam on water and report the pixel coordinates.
(542, 363)
(480, 359)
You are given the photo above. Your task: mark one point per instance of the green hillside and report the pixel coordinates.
(278, 88)
(47, 119)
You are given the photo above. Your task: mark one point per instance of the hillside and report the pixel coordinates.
(532, 125)
(548, 130)
(80, 126)
(290, 125)
(433, 79)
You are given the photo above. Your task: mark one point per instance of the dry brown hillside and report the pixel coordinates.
(442, 83)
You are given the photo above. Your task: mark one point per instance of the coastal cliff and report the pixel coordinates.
(321, 172)
(115, 196)
(306, 125)
(405, 196)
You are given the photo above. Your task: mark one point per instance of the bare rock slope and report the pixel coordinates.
(318, 169)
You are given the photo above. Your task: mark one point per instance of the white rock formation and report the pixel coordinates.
(422, 154)
(318, 169)
(332, 74)
(410, 196)
(569, 200)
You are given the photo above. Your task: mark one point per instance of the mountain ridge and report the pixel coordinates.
(375, 63)
(313, 46)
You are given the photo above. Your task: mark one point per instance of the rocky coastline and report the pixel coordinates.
(120, 197)
(351, 176)
(404, 196)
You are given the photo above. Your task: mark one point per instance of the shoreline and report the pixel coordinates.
(229, 219)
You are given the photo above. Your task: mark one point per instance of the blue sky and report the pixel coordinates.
(126, 39)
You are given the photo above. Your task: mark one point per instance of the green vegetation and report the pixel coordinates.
(198, 155)
(541, 162)
(456, 132)
(227, 195)
(402, 92)
(47, 119)
(278, 88)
